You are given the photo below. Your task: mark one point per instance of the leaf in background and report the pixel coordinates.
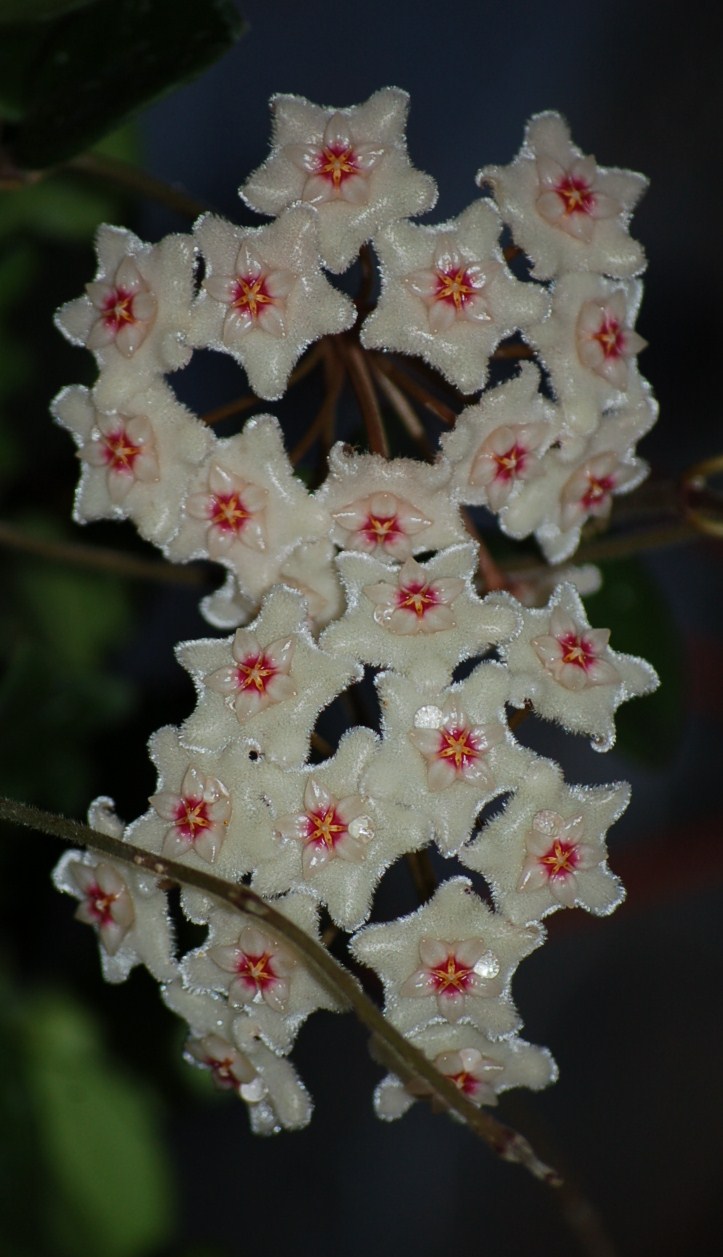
(108, 1187)
(14, 11)
(89, 70)
(630, 604)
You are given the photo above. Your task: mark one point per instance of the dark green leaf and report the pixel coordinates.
(15, 12)
(94, 68)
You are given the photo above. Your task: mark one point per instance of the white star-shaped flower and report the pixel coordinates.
(265, 686)
(566, 212)
(452, 959)
(421, 619)
(569, 673)
(258, 972)
(230, 1047)
(134, 316)
(390, 508)
(589, 347)
(264, 298)
(137, 460)
(326, 835)
(351, 164)
(448, 296)
(446, 751)
(481, 1069)
(547, 849)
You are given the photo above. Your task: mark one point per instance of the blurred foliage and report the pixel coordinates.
(70, 73)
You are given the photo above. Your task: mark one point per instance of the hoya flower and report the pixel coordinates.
(480, 1068)
(327, 835)
(421, 619)
(246, 508)
(498, 445)
(452, 751)
(390, 508)
(264, 298)
(566, 212)
(230, 1047)
(199, 814)
(351, 164)
(452, 959)
(310, 568)
(136, 311)
(266, 685)
(569, 673)
(125, 908)
(137, 460)
(547, 849)
(448, 296)
(589, 347)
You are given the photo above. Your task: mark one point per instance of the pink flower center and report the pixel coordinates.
(251, 294)
(561, 860)
(256, 970)
(337, 163)
(459, 746)
(254, 673)
(465, 1082)
(222, 1071)
(227, 512)
(511, 463)
(451, 977)
(99, 904)
(324, 828)
(417, 596)
(119, 452)
(576, 195)
(454, 287)
(577, 651)
(191, 817)
(381, 529)
(610, 337)
(599, 487)
(117, 309)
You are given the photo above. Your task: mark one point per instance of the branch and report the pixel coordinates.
(125, 175)
(98, 558)
(395, 1051)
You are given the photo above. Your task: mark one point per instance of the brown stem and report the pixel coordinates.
(405, 411)
(326, 414)
(363, 385)
(423, 876)
(236, 407)
(396, 1052)
(127, 176)
(512, 351)
(416, 390)
(363, 299)
(98, 558)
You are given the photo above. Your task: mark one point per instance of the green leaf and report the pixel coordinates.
(16, 12)
(108, 1190)
(98, 66)
(631, 605)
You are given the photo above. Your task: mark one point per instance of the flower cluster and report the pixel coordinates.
(370, 579)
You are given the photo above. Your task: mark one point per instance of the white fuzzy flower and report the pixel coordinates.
(135, 314)
(264, 298)
(547, 850)
(569, 673)
(448, 296)
(566, 212)
(351, 164)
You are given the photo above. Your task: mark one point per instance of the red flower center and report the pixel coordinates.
(611, 337)
(191, 817)
(465, 1082)
(227, 512)
(576, 195)
(451, 977)
(337, 163)
(99, 904)
(417, 596)
(256, 970)
(577, 651)
(119, 452)
(381, 529)
(117, 309)
(459, 746)
(325, 827)
(511, 463)
(222, 1071)
(251, 294)
(561, 860)
(599, 487)
(454, 287)
(254, 673)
